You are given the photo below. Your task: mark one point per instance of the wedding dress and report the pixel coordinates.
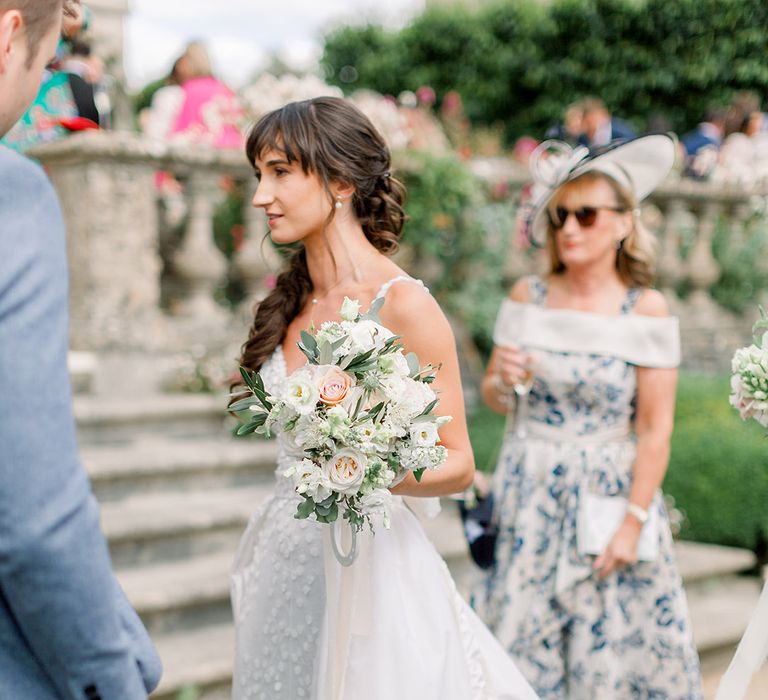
(391, 626)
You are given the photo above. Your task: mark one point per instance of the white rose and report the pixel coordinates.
(345, 470)
(424, 434)
(301, 392)
(350, 309)
(377, 502)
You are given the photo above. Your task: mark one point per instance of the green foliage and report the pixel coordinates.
(718, 471)
(457, 239)
(743, 275)
(520, 62)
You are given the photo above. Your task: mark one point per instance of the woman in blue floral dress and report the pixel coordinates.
(584, 592)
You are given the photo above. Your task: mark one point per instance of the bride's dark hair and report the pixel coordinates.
(332, 139)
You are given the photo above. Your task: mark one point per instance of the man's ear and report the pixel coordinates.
(11, 24)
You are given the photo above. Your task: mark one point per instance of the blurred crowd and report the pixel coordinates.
(75, 91)
(729, 145)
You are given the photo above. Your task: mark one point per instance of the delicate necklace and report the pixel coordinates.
(356, 274)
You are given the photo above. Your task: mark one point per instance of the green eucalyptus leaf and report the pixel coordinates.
(413, 363)
(325, 356)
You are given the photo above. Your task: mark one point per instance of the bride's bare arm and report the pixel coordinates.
(413, 314)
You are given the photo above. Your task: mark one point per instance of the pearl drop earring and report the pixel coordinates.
(338, 205)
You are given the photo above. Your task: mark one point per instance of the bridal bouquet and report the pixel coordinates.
(354, 419)
(749, 382)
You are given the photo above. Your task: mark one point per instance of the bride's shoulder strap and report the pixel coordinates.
(400, 278)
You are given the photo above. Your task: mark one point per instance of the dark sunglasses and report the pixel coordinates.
(586, 216)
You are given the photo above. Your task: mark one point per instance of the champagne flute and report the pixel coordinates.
(522, 388)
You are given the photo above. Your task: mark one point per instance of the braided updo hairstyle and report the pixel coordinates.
(332, 139)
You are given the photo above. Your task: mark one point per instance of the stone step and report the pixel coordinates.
(202, 659)
(720, 611)
(153, 528)
(184, 595)
(155, 463)
(700, 562)
(117, 420)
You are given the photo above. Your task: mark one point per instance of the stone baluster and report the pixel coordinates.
(257, 258)
(670, 267)
(198, 264)
(701, 267)
(738, 220)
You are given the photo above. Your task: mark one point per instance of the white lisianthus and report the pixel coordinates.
(392, 385)
(366, 335)
(301, 392)
(350, 309)
(377, 502)
(310, 479)
(346, 470)
(424, 434)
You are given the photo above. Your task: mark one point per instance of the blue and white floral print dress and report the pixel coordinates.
(573, 636)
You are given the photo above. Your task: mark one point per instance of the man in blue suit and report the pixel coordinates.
(66, 629)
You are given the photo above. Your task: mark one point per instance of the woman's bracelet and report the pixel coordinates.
(639, 513)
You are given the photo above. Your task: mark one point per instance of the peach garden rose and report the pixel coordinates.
(333, 385)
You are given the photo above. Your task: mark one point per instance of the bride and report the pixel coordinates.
(392, 625)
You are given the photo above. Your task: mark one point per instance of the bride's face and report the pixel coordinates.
(295, 202)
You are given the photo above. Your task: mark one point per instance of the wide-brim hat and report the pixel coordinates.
(639, 165)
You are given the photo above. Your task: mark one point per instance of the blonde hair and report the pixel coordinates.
(198, 62)
(636, 256)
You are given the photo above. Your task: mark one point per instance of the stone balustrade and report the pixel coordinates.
(137, 286)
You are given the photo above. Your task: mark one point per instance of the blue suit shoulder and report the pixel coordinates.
(28, 203)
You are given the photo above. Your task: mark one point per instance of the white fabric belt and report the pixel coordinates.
(549, 433)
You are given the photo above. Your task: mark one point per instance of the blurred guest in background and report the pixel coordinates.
(209, 112)
(600, 127)
(702, 145)
(572, 126)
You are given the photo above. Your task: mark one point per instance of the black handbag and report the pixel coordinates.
(481, 530)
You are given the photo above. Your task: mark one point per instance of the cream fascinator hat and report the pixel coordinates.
(639, 165)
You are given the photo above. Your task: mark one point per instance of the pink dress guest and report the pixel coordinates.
(210, 114)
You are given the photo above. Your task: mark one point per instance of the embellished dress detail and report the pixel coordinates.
(573, 636)
(389, 627)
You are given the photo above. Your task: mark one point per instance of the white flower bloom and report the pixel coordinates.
(345, 470)
(395, 363)
(377, 502)
(424, 434)
(350, 309)
(301, 392)
(310, 479)
(366, 335)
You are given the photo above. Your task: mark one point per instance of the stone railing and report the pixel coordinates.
(135, 289)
